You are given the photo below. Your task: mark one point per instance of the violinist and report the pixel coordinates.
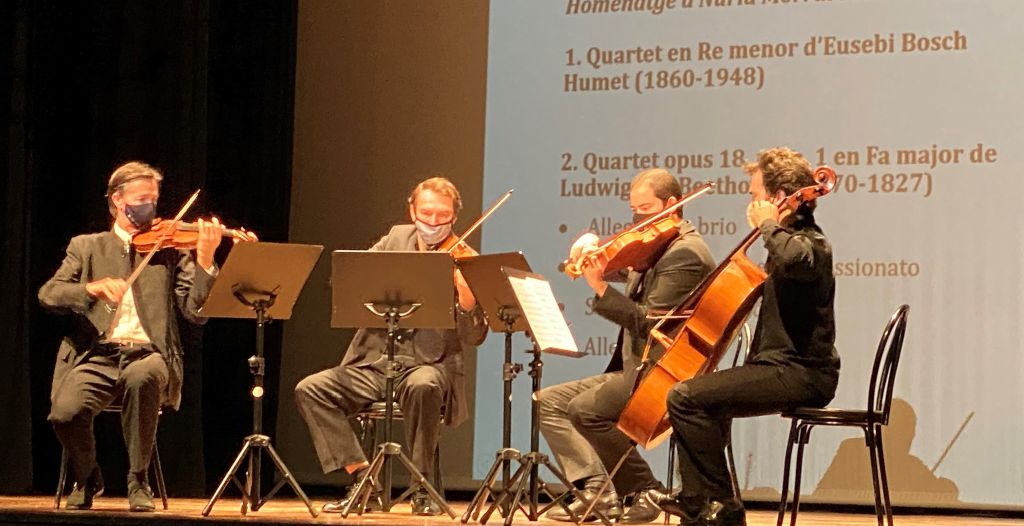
(430, 380)
(124, 343)
(578, 418)
(792, 361)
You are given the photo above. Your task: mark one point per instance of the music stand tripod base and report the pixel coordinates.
(526, 483)
(364, 488)
(254, 444)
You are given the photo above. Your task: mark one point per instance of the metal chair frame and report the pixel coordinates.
(871, 421)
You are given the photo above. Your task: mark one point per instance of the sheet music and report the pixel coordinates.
(547, 323)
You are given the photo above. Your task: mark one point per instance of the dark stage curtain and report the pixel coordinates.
(201, 90)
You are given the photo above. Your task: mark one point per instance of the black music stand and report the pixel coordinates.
(372, 289)
(261, 281)
(491, 288)
(550, 334)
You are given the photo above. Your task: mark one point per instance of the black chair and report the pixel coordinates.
(871, 420)
(368, 418)
(157, 468)
(742, 349)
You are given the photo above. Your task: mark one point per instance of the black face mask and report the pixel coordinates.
(640, 218)
(141, 215)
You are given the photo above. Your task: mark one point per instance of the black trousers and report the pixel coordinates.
(326, 400)
(701, 411)
(138, 377)
(593, 405)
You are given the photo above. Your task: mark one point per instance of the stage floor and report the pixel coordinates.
(112, 511)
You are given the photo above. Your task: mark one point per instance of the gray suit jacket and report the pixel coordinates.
(680, 269)
(441, 348)
(170, 280)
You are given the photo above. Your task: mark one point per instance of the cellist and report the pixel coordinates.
(578, 418)
(792, 360)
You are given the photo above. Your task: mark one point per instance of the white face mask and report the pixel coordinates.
(433, 234)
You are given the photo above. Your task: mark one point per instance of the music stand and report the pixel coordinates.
(549, 334)
(261, 281)
(494, 294)
(378, 289)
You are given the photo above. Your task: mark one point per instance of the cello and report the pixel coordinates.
(713, 314)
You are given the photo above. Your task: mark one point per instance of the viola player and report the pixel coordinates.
(578, 418)
(430, 377)
(792, 361)
(124, 344)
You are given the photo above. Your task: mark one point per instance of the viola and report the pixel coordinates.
(637, 246)
(713, 314)
(174, 234)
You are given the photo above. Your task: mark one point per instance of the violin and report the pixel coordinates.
(637, 246)
(714, 313)
(175, 234)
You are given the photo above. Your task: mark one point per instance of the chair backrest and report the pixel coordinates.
(883, 372)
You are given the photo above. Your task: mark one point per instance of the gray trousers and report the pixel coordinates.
(138, 377)
(578, 421)
(328, 399)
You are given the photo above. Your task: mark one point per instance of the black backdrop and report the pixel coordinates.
(204, 91)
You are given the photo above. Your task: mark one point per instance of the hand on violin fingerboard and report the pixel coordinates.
(593, 271)
(210, 234)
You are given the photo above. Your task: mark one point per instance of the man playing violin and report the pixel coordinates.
(579, 418)
(124, 344)
(792, 361)
(430, 382)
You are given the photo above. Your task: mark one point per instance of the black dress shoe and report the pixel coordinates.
(696, 511)
(725, 512)
(423, 505)
(642, 511)
(82, 494)
(373, 504)
(689, 511)
(608, 505)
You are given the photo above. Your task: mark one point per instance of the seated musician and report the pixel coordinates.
(430, 379)
(792, 362)
(125, 343)
(578, 418)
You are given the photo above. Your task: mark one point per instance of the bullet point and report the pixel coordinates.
(562, 228)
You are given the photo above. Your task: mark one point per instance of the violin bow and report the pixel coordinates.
(145, 261)
(501, 200)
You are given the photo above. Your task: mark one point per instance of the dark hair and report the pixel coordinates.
(782, 169)
(662, 182)
(126, 173)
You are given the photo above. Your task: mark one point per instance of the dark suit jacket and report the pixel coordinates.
(441, 348)
(681, 267)
(170, 280)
